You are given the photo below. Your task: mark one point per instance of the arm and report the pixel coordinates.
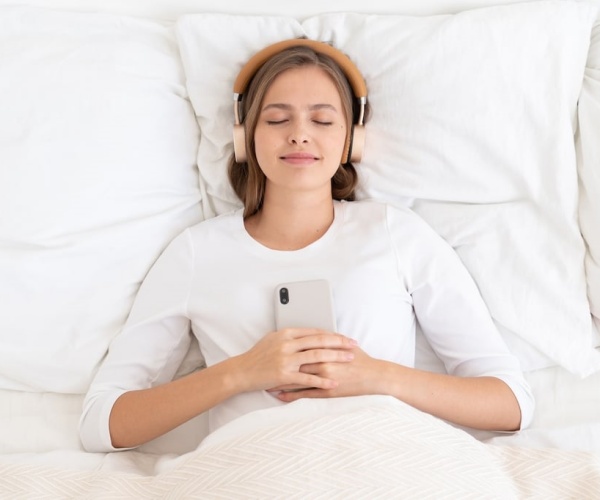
(485, 388)
(460, 329)
(476, 402)
(141, 415)
(149, 349)
(138, 416)
(133, 397)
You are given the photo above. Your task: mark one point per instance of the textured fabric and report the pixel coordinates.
(366, 447)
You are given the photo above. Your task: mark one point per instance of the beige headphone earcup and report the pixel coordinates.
(358, 143)
(239, 143)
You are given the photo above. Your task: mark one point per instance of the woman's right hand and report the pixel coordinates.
(275, 361)
(140, 415)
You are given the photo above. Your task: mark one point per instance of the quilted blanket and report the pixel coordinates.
(372, 447)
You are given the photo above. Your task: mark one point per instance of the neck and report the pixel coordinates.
(291, 223)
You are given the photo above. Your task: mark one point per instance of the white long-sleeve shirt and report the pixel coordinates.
(387, 268)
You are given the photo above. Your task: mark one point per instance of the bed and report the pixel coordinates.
(114, 134)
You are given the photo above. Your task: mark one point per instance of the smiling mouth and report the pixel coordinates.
(299, 157)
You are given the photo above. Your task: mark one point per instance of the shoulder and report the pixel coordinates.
(193, 239)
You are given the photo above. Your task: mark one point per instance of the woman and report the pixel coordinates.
(387, 269)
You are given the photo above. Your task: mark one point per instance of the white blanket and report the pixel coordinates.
(367, 447)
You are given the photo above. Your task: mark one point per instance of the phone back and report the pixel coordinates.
(304, 304)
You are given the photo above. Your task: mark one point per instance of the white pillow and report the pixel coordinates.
(214, 47)
(97, 174)
(472, 126)
(588, 149)
(479, 141)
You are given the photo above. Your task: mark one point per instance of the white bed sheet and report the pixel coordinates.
(41, 429)
(171, 10)
(567, 414)
(369, 446)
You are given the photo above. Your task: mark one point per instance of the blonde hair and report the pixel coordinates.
(247, 178)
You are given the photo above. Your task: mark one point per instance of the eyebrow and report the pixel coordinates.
(287, 107)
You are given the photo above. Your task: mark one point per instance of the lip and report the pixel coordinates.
(299, 158)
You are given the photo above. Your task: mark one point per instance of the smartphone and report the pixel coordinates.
(304, 304)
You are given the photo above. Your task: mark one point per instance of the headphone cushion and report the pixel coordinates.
(239, 143)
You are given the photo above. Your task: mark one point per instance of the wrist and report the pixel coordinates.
(394, 380)
(387, 379)
(234, 378)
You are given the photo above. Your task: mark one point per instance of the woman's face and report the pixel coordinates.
(301, 131)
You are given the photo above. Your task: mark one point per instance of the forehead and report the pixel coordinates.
(306, 82)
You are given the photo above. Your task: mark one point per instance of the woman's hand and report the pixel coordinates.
(477, 402)
(356, 377)
(280, 359)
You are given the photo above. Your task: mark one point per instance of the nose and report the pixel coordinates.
(298, 134)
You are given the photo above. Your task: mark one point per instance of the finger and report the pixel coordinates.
(287, 387)
(317, 356)
(324, 341)
(313, 368)
(316, 337)
(298, 333)
(288, 397)
(314, 381)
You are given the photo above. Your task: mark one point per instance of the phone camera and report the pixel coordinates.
(284, 295)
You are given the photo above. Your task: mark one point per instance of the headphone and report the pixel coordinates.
(356, 135)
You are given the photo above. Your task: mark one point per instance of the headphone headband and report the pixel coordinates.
(356, 80)
(354, 145)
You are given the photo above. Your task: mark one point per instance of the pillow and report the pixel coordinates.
(214, 47)
(97, 174)
(472, 126)
(588, 149)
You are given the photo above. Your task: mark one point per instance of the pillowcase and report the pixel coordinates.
(213, 48)
(472, 126)
(97, 174)
(588, 149)
(498, 177)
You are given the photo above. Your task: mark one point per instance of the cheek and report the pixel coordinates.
(338, 142)
(262, 144)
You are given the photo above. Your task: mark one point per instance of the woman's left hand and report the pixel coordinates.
(478, 402)
(360, 376)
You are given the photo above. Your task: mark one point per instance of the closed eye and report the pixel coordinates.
(275, 122)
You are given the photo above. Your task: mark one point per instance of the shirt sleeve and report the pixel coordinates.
(151, 346)
(450, 310)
